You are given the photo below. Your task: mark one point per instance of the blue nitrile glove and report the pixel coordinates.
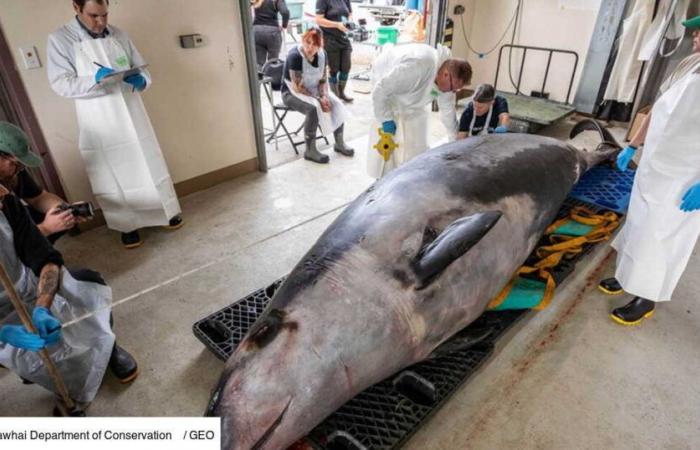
(500, 129)
(18, 336)
(389, 126)
(48, 326)
(624, 158)
(691, 199)
(101, 73)
(137, 81)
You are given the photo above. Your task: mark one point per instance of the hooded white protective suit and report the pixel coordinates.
(403, 78)
(123, 160)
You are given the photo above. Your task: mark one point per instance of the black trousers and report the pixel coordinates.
(339, 52)
(268, 42)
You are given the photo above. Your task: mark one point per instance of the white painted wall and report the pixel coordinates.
(199, 102)
(562, 24)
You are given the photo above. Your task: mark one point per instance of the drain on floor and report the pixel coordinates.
(385, 415)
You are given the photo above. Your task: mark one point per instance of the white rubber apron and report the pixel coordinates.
(85, 347)
(124, 163)
(627, 68)
(657, 240)
(485, 129)
(328, 121)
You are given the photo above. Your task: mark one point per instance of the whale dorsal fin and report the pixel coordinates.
(453, 242)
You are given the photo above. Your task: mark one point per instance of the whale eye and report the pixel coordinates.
(265, 330)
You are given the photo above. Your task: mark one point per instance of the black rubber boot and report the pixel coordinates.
(312, 154)
(634, 312)
(334, 88)
(610, 286)
(75, 413)
(340, 146)
(174, 223)
(123, 365)
(341, 92)
(131, 239)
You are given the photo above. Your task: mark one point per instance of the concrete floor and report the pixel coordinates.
(566, 377)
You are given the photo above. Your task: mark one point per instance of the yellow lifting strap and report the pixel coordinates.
(386, 144)
(562, 246)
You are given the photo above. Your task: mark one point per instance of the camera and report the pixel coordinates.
(79, 209)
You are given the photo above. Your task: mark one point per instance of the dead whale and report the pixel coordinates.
(413, 260)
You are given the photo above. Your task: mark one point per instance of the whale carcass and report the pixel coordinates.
(413, 260)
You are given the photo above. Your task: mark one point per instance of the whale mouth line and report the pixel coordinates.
(271, 429)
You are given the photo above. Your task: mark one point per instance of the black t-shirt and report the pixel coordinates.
(295, 62)
(334, 10)
(500, 106)
(266, 14)
(31, 246)
(25, 186)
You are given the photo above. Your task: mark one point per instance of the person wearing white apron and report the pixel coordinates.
(305, 89)
(127, 172)
(83, 350)
(663, 221)
(406, 78)
(485, 113)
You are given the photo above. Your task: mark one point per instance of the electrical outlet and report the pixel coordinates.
(30, 57)
(459, 10)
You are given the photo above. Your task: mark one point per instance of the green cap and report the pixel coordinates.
(13, 141)
(692, 23)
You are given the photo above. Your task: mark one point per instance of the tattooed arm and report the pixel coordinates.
(323, 85)
(49, 281)
(297, 82)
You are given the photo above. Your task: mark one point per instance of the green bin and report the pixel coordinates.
(296, 9)
(387, 34)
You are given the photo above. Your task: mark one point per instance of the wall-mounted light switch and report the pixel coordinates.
(30, 57)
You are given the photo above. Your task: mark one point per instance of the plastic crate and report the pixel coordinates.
(605, 186)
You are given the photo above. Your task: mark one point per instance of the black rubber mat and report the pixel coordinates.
(388, 413)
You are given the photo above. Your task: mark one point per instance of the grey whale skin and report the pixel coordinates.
(413, 260)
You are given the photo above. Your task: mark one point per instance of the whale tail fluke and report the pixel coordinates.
(608, 147)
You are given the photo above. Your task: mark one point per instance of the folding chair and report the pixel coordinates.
(274, 69)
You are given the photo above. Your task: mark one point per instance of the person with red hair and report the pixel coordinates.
(305, 89)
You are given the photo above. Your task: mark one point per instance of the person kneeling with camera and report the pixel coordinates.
(70, 310)
(51, 213)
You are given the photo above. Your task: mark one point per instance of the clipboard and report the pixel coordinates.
(124, 73)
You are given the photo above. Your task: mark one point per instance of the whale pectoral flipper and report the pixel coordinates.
(452, 243)
(463, 340)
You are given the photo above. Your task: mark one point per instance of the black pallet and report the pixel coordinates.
(385, 415)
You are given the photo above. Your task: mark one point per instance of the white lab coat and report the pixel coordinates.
(127, 172)
(403, 78)
(625, 73)
(657, 240)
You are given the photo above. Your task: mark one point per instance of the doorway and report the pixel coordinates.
(374, 20)
(16, 108)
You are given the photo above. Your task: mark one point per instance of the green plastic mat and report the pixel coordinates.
(525, 294)
(573, 228)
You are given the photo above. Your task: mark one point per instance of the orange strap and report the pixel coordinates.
(562, 246)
